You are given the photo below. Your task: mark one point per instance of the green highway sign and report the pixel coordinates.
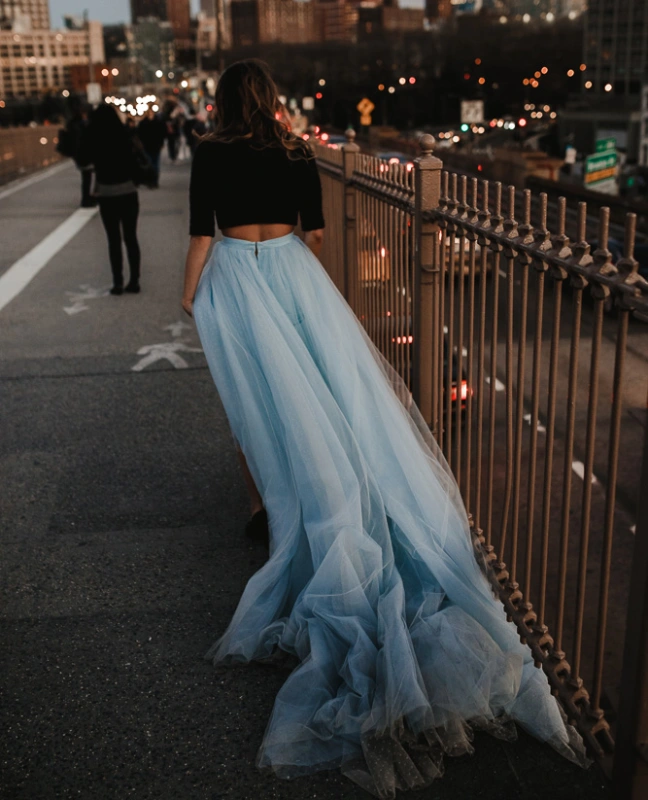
(600, 167)
(605, 145)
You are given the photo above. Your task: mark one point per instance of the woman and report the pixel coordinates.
(109, 146)
(372, 582)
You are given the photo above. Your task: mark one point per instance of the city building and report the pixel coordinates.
(153, 47)
(207, 35)
(266, 21)
(179, 15)
(33, 61)
(34, 14)
(613, 71)
(145, 9)
(615, 47)
(438, 9)
(379, 19)
(175, 12)
(335, 21)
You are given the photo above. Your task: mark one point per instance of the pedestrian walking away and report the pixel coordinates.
(69, 145)
(173, 125)
(110, 147)
(372, 586)
(152, 133)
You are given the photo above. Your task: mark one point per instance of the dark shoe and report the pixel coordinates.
(257, 528)
(133, 288)
(117, 290)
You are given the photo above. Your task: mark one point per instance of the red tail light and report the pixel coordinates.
(464, 391)
(403, 339)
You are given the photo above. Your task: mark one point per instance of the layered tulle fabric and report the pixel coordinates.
(372, 582)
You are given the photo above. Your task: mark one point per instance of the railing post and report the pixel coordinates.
(427, 190)
(631, 752)
(349, 152)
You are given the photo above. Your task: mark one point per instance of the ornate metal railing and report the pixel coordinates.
(25, 149)
(500, 328)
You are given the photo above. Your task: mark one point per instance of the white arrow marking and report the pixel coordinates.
(165, 350)
(579, 469)
(499, 386)
(540, 427)
(75, 309)
(176, 328)
(78, 298)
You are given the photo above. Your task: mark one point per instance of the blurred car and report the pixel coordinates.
(333, 140)
(399, 329)
(394, 157)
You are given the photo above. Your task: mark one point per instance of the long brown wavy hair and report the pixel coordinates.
(248, 108)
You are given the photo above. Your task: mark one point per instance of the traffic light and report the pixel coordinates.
(465, 127)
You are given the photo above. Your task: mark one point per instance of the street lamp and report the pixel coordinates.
(158, 73)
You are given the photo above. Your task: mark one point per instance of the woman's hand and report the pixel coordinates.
(187, 305)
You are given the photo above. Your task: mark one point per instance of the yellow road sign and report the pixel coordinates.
(365, 106)
(365, 119)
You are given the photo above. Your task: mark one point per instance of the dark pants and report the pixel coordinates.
(154, 156)
(119, 215)
(172, 146)
(87, 199)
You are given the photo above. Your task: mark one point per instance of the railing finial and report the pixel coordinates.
(426, 143)
(350, 134)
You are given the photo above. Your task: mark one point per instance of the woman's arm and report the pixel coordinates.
(314, 239)
(194, 265)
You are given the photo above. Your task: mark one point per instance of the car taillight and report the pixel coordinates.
(464, 391)
(403, 339)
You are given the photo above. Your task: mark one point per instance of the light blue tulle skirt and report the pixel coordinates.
(372, 582)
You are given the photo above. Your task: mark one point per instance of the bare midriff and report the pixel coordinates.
(259, 232)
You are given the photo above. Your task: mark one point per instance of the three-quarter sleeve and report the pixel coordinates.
(310, 205)
(201, 208)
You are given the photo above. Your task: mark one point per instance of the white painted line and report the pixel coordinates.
(579, 469)
(21, 273)
(23, 183)
(499, 386)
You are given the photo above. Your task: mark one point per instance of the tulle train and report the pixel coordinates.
(372, 582)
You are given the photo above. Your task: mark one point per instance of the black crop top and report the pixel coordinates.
(245, 186)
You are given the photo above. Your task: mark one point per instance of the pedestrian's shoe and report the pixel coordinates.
(257, 528)
(133, 287)
(117, 290)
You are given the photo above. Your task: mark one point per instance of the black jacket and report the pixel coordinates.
(152, 133)
(113, 159)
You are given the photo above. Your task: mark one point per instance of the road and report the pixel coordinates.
(122, 549)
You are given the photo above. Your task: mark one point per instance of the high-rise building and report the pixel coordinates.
(153, 47)
(145, 9)
(438, 9)
(336, 21)
(12, 11)
(615, 48)
(179, 15)
(380, 19)
(265, 21)
(34, 61)
(175, 12)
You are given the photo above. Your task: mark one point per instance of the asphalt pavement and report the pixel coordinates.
(122, 554)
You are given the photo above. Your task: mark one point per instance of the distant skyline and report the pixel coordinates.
(119, 10)
(106, 12)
